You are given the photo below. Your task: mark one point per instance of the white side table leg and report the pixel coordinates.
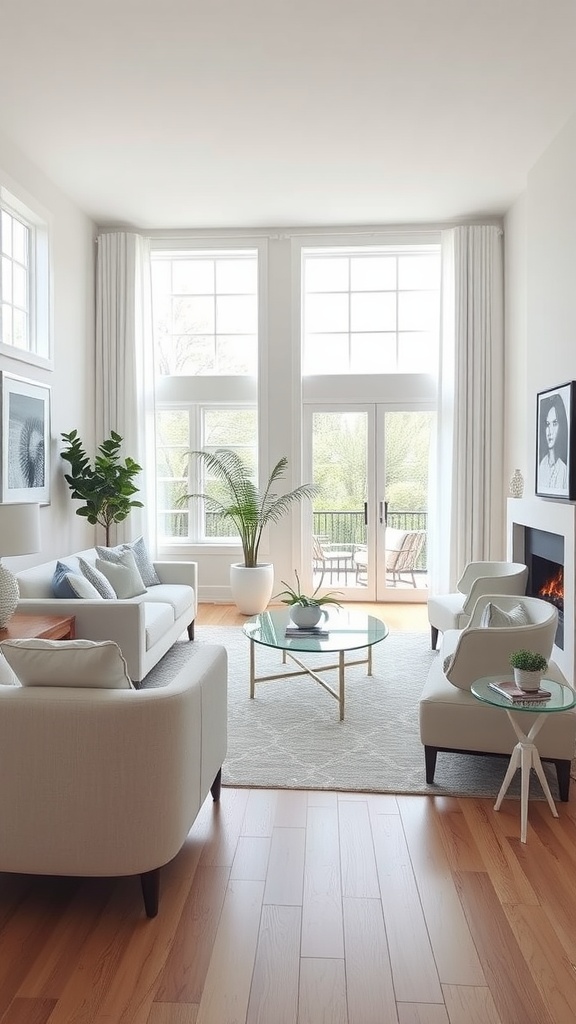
(525, 766)
(510, 772)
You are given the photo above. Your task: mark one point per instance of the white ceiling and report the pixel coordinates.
(261, 113)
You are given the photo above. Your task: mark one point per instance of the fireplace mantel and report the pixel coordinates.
(554, 517)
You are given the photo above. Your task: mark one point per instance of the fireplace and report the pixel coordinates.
(541, 533)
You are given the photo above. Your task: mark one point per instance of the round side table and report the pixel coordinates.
(525, 754)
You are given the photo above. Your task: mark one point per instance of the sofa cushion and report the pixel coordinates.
(97, 579)
(180, 596)
(68, 585)
(76, 663)
(123, 575)
(493, 616)
(138, 548)
(158, 619)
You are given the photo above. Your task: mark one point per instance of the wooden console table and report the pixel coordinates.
(39, 627)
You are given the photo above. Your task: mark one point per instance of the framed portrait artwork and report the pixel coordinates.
(25, 440)
(555, 442)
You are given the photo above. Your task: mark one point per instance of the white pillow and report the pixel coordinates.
(76, 663)
(97, 579)
(494, 616)
(123, 575)
(82, 587)
(150, 577)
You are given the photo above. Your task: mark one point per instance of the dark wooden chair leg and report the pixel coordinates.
(434, 635)
(150, 881)
(430, 755)
(563, 776)
(191, 630)
(216, 786)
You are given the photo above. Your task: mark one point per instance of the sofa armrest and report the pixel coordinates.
(178, 572)
(122, 621)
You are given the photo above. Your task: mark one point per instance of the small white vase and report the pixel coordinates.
(528, 681)
(516, 484)
(305, 615)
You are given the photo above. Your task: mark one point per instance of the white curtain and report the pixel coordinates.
(125, 366)
(468, 521)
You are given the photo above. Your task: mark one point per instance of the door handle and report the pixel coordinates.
(365, 513)
(383, 512)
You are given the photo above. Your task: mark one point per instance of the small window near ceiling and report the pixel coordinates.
(205, 309)
(25, 330)
(371, 310)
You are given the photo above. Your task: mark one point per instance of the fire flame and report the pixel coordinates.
(553, 589)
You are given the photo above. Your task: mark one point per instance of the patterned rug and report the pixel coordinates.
(290, 736)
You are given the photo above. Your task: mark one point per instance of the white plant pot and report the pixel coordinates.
(528, 681)
(303, 615)
(251, 587)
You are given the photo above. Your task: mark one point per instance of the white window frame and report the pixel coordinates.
(39, 351)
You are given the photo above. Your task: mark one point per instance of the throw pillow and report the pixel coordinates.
(71, 585)
(447, 663)
(150, 577)
(123, 575)
(97, 579)
(75, 663)
(497, 617)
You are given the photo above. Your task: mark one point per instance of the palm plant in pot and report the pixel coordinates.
(529, 667)
(239, 500)
(306, 611)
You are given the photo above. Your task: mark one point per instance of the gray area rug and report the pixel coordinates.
(290, 736)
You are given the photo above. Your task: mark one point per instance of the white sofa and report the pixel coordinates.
(144, 627)
(108, 782)
(452, 720)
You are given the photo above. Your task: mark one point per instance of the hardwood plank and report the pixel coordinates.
(454, 951)
(322, 798)
(382, 803)
(413, 967)
(222, 832)
(291, 808)
(549, 879)
(513, 989)
(322, 992)
(422, 1013)
(359, 875)
(183, 975)
(285, 876)
(251, 860)
(461, 850)
(260, 813)
(550, 967)
(469, 1005)
(173, 1013)
(369, 986)
(322, 928)
(509, 881)
(28, 1011)
(274, 990)
(227, 987)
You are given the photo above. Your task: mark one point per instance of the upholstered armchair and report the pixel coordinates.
(106, 780)
(453, 721)
(453, 611)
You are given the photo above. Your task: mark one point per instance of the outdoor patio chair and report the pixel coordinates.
(331, 558)
(403, 549)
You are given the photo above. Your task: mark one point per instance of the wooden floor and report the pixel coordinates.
(288, 907)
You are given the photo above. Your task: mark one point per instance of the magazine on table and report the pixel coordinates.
(514, 694)
(307, 631)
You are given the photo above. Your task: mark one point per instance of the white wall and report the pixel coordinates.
(72, 380)
(540, 233)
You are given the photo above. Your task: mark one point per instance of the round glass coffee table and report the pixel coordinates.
(525, 754)
(346, 631)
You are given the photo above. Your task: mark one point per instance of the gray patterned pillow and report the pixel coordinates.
(146, 568)
(97, 579)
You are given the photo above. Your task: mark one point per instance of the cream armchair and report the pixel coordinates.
(453, 721)
(453, 611)
(106, 782)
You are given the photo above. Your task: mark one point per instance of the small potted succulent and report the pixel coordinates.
(306, 611)
(529, 667)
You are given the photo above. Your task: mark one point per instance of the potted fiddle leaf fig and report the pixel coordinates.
(107, 486)
(251, 510)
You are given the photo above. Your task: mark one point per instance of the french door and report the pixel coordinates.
(367, 536)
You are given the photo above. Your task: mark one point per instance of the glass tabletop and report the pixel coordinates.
(347, 630)
(561, 698)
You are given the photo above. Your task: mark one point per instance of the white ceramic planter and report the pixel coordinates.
(303, 615)
(251, 588)
(528, 681)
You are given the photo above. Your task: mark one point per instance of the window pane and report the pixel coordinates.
(237, 277)
(193, 277)
(232, 428)
(19, 297)
(326, 313)
(236, 314)
(6, 283)
(7, 334)
(373, 311)
(326, 274)
(20, 241)
(19, 329)
(372, 273)
(193, 316)
(327, 353)
(420, 348)
(419, 272)
(373, 353)
(6, 229)
(237, 355)
(418, 311)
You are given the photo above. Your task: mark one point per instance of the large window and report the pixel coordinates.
(24, 281)
(205, 308)
(371, 310)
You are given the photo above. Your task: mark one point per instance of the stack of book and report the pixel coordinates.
(307, 631)
(515, 695)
